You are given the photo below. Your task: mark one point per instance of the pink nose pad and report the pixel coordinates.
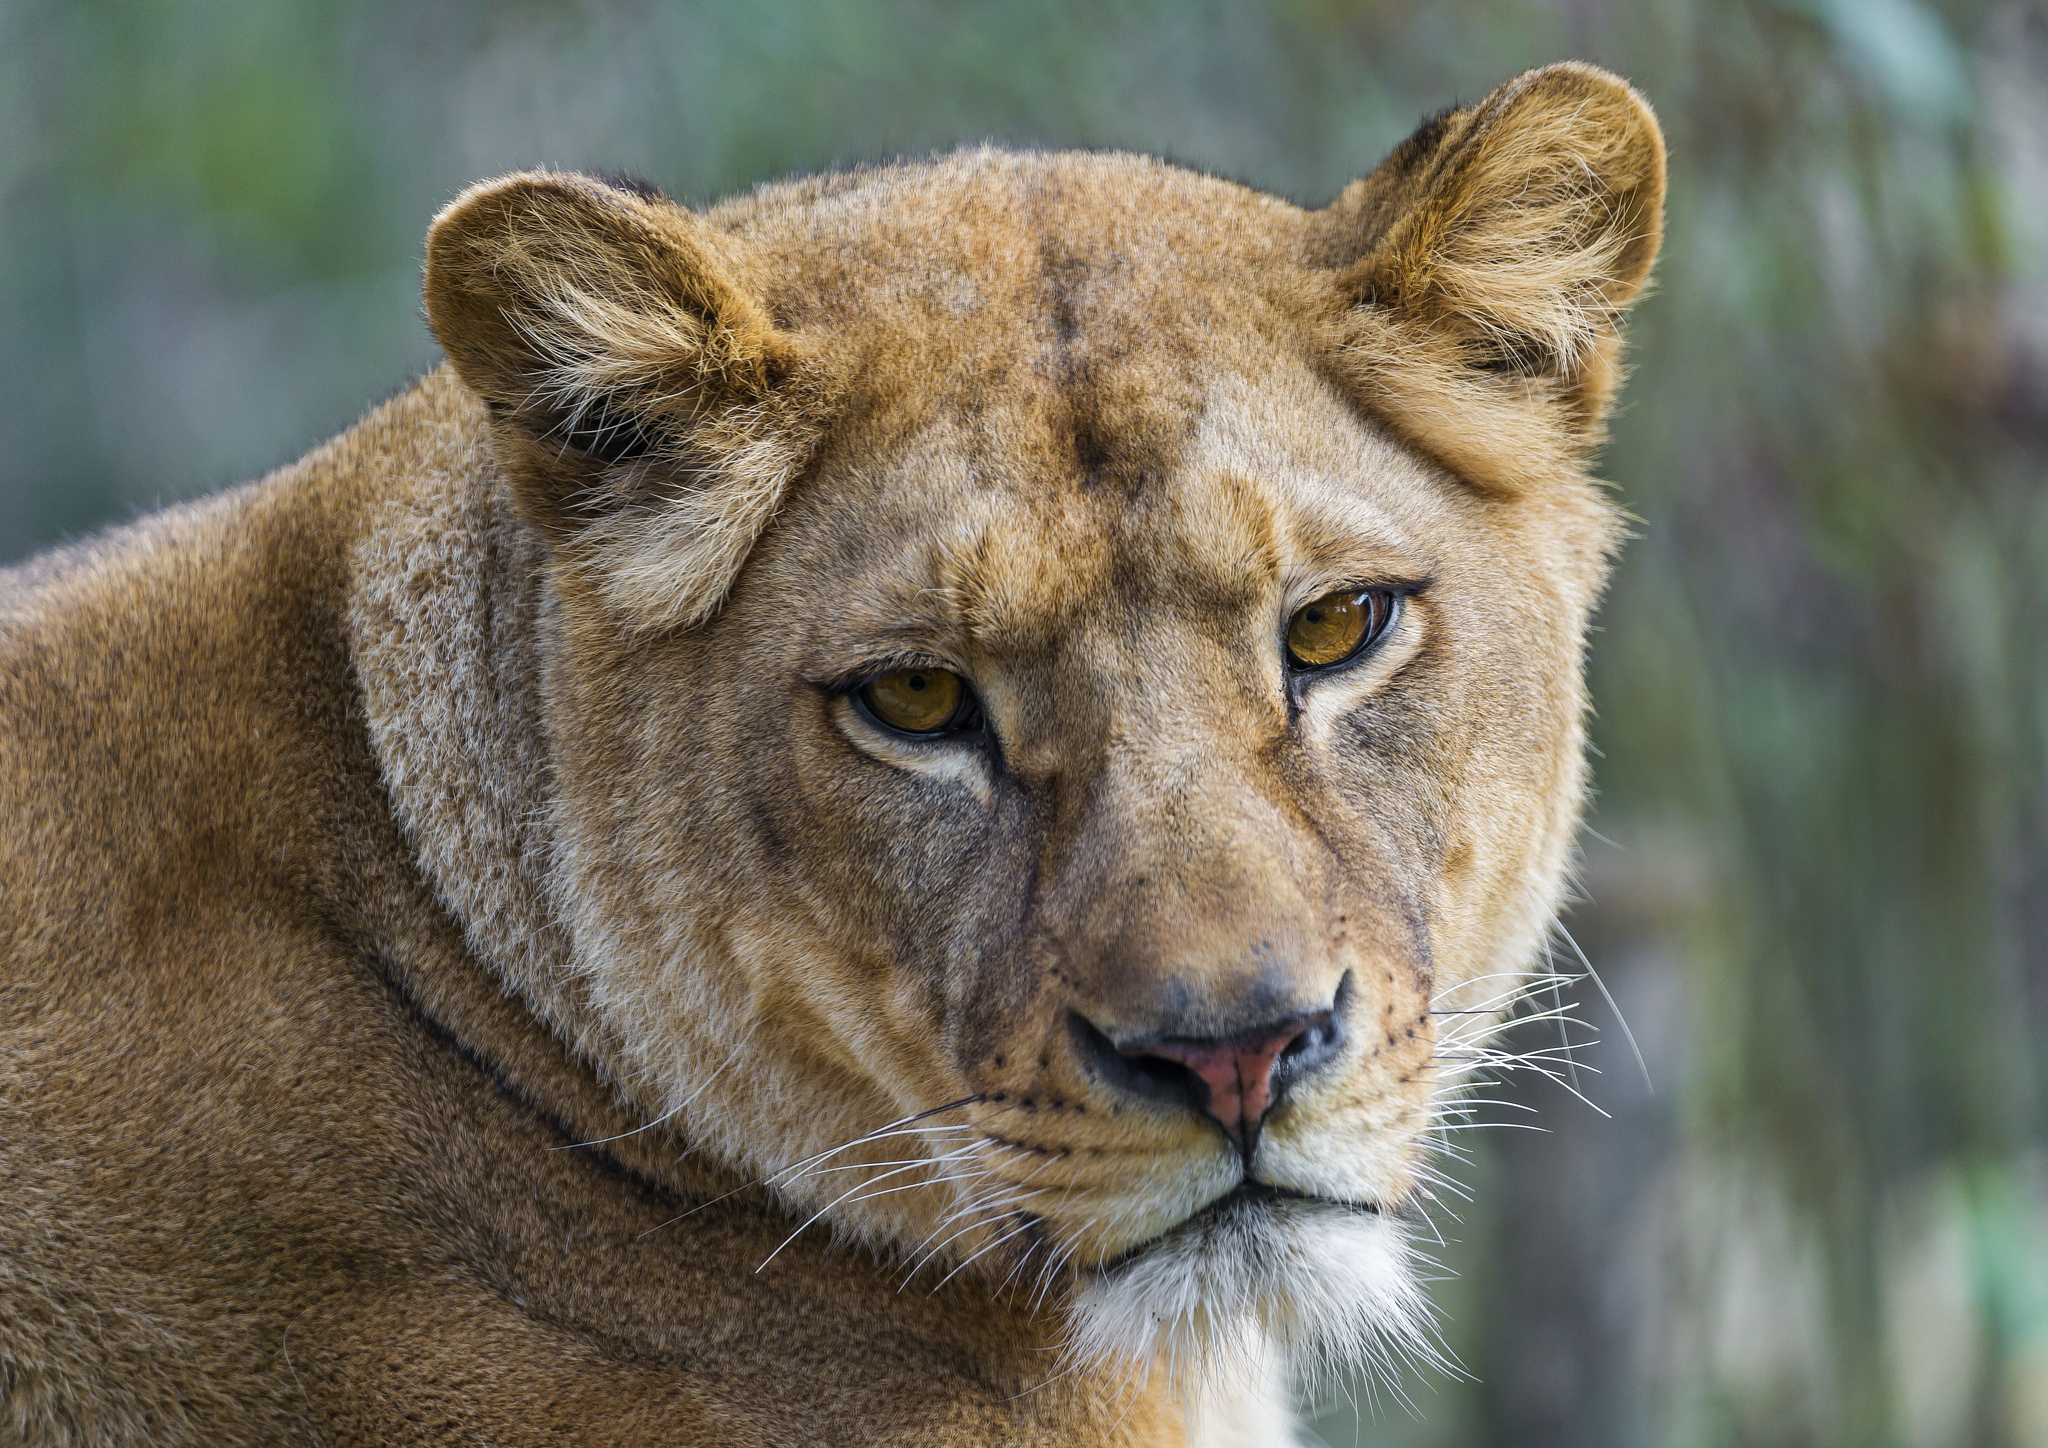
(1239, 1073)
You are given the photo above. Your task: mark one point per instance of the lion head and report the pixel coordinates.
(1059, 675)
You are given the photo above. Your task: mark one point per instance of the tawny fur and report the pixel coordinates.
(457, 928)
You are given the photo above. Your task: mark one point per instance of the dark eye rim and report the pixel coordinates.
(1396, 595)
(967, 714)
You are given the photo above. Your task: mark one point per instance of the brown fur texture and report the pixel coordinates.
(458, 924)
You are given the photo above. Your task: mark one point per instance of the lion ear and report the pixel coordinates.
(1494, 256)
(646, 411)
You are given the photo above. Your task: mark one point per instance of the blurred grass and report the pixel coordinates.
(1823, 671)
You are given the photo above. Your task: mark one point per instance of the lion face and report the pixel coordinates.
(1063, 672)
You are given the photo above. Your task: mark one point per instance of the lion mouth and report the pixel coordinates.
(1248, 1203)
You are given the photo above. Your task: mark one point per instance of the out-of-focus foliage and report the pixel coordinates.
(1820, 884)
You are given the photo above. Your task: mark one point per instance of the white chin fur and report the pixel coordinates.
(1214, 1300)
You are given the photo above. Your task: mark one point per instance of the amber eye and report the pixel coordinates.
(917, 701)
(1334, 627)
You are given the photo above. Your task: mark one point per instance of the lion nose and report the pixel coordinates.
(1238, 1073)
(1236, 1079)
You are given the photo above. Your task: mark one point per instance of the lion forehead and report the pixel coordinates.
(993, 536)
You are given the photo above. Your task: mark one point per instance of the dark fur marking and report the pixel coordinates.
(1065, 274)
(1027, 1146)
(607, 432)
(773, 845)
(1429, 132)
(1513, 355)
(1064, 279)
(633, 185)
(1091, 451)
(590, 1152)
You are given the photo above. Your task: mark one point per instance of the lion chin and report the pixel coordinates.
(1256, 1274)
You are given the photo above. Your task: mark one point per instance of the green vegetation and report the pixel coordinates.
(1823, 675)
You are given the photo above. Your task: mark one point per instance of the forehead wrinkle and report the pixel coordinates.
(1321, 473)
(891, 586)
(892, 605)
(975, 573)
(1221, 548)
(1025, 573)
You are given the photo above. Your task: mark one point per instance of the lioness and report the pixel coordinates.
(861, 823)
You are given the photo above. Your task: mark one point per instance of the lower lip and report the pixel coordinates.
(1245, 1192)
(1253, 1191)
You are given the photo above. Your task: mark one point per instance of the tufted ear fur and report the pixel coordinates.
(646, 410)
(1487, 265)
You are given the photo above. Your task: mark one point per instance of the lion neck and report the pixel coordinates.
(446, 617)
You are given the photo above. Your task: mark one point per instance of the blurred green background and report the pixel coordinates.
(1819, 882)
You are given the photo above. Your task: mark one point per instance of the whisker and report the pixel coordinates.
(835, 1202)
(893, 1128)
(671, 1113)
(1608, 995)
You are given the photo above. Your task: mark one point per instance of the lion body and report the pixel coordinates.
(263, 1104)
(456, 920)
